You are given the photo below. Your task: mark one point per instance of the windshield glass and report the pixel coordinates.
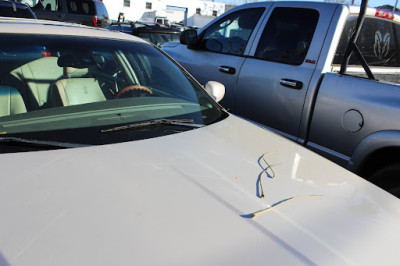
(70, 89)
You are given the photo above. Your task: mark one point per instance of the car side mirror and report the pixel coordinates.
(215, 89)
(189, 38)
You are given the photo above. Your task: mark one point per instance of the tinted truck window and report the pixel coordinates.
(287, 35)
(80, 7)
(230, 35)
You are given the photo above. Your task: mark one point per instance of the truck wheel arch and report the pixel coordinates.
(388, 178)
(375, 152)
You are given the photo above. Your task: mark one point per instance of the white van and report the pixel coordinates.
(152, 17)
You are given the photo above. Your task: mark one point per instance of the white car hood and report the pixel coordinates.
(189, 199)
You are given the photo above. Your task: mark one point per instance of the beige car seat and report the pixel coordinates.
(75, 91)
(11, 101)
(39, 75)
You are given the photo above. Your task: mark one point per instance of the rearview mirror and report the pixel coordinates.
(189, 37)
(215, 89)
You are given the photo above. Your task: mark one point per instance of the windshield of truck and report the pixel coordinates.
(80, 90)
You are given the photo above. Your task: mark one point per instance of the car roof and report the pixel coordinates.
(139, 27)
(155, 28)
(47, 27)
(143, 25)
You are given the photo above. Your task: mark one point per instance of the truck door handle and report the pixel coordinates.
(227, 69)
(293, 84)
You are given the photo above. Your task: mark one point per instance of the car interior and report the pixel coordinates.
(55, 81)
(46, 77)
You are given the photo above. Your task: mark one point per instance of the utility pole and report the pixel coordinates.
(394, 8)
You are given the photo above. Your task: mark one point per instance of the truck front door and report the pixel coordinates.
(221, 49)
(273, 82)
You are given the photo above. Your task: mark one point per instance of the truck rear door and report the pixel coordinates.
(273, 82)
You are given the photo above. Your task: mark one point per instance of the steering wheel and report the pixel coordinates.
(133, 90)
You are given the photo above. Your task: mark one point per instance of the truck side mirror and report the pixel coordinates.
(215, 89)
(189, 37)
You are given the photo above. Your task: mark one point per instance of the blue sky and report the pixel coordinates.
(371, 3)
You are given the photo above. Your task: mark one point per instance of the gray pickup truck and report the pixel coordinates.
(324, 75)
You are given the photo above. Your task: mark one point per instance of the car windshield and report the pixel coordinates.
(80, 90)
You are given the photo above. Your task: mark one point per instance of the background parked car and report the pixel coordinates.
(121, 27)
(14, 9)
(155, 34)
(150, 19)
(85, 12)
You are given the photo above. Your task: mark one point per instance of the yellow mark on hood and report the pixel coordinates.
(275, 205)
(266, 170)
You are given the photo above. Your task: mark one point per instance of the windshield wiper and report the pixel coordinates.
(173, 122)
(39, 143)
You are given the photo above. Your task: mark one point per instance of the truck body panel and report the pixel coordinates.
(349, 109)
